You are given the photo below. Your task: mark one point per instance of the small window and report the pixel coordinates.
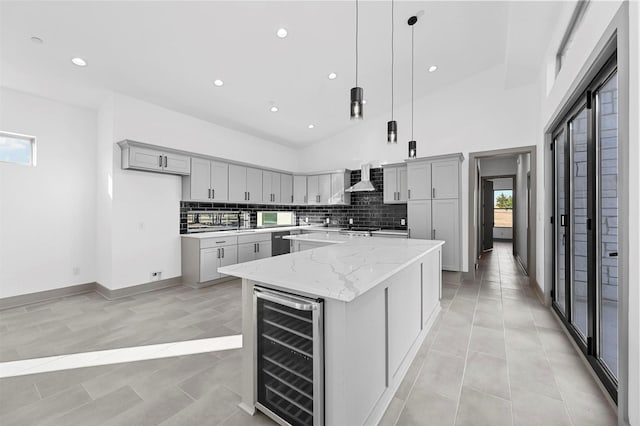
(503, 208)
(18, 149)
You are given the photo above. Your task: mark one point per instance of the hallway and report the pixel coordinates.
(498, 357)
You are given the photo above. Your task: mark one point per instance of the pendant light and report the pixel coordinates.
(392, 126)
(357, 94)
(412, 143)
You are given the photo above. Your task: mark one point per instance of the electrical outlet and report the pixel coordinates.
(306, 220)
(403, 222)
(350, 221)
(328, 221)
(155, 276)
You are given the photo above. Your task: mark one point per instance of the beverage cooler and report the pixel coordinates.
(290, 357)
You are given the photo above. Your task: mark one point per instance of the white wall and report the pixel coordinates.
(47, 213)
(522, 207)
(477, 114)
(502, 183)
(145, 224)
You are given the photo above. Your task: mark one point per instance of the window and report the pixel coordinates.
(18, 149)
(503, 208)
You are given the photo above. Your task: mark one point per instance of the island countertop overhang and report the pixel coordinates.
(342, 271)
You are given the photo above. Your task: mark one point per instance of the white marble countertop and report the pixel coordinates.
(341, 271)
(322, 237)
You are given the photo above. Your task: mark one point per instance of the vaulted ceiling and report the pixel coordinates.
(169, 53)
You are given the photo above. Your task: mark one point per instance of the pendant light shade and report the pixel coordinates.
(392, 126)
(392, 131)
(412, 143)
(412, 149)
(356, 103)
(357, 94)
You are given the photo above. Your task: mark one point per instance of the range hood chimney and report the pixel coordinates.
(364, 184)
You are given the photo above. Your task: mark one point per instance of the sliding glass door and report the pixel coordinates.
(585, 294)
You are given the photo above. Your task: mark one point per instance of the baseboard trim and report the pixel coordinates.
(521, 264)
(210, 283)
(136, 289)
(43, 296)
(58, 293)
(541, 296)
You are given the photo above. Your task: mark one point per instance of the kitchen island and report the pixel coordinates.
(379, 297)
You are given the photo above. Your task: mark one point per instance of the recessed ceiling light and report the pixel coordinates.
(332, 76)
(311, 126)
(218, 83)
(282, 32)
(273, 109)
(37, 40)
(79, 62)
(432, 68)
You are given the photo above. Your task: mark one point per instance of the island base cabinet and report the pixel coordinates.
(369, 342)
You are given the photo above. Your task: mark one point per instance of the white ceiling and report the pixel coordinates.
(169, 53)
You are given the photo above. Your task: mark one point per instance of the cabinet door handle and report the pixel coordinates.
(160, 161)
(218, 253)
(222, 252)
(213, 193)
(248, 195)
(433, 193)
(434, 235)
(258, 245)
(292, 198)
(209, 193)
(408, 194)
(165, 161)
(254, 247)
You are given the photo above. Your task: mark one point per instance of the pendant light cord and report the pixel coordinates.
(412, 51)
(392, 56)
(356, 43)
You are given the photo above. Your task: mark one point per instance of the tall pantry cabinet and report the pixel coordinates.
(434, 203)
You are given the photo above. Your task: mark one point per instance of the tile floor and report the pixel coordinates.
(495, 356)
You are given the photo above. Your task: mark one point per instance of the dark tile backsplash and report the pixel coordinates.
(366, 209)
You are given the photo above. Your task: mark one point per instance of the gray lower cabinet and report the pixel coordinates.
(209, 181)
(201, 258)
(254, 247)
(445, 222)
(419, 217)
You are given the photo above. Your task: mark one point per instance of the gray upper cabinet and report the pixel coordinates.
(444, 179)
(245, 184)
(313, 192)
(395, 184)
(286, 188)
(140, 156)
(419, 180)
(271, 191)
(209, 181)
(318, 189)
(299, 189)
(340, 182)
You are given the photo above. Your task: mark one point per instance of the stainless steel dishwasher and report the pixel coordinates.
(290, 357)
(278, 244)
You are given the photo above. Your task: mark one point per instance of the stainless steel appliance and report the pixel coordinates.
(207, 221)
(290, 357)
(278, 244)
(359, 231)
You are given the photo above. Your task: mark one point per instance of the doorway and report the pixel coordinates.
(518, 166)
(498, 211)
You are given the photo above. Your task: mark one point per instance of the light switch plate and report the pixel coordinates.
(403, 222)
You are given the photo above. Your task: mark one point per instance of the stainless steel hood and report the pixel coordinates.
(364, 184)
